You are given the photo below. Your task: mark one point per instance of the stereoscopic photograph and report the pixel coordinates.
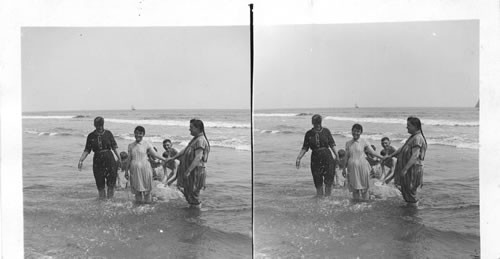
(249, 129)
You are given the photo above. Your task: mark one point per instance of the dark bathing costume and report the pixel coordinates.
(322, 163)
(388, 162)
(104, 164)
(170, 153)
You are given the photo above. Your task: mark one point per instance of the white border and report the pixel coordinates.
(15, 14)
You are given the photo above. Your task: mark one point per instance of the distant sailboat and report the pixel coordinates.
(132, 108)
(356, 106)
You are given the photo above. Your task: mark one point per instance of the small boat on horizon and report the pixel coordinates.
(132, 108)
(356, 106)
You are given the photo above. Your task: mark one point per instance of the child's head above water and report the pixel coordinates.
(123, 155)
(341, 153)
(386, 142)
(167, 143)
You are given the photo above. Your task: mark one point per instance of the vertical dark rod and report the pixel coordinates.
(251, 112)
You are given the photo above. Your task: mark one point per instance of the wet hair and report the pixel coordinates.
(99, 121)
(341, 153)
(385, 138)
(167, 140)
(316, 119)
(123, 155)
(199, 125)
(416, 122)
(140, 129)
(357, 126)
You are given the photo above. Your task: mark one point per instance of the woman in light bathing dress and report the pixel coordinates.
(191, 172)
(141, 173)
(358, 168)
(408, 173)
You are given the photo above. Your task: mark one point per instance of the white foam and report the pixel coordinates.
(384, 191)
(403, 121)
(452, 141)
(47, 117)
(232, 143)
(177, 123)
(165, 193)
(275, 114)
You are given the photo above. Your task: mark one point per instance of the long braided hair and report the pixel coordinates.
(199, 125)
(416, 122)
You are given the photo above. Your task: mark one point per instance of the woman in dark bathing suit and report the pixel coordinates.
(104, 165)
(320, 141)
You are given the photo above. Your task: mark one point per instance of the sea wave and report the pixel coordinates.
(183, 123)
(282, 114)
(278, 131)
(275, 114)
(430, 122)
(48, 117)
(207, 124)
(233, 143)
(451, 141)
(45, 133)
(374, 138)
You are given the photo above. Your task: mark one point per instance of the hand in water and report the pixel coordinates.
(80, 164)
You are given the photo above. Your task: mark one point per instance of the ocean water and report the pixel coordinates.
(63, 218)
(290, 223)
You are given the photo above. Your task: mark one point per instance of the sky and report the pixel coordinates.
(315, 65)
(397, 64)
(77, 68)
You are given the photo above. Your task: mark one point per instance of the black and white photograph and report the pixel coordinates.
(136, 142)
(249, 129)
(374, 151)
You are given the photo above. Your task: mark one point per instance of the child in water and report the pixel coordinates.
(156, 165)
(388, 163)
(170, 151)
(374, 163)
(341, 164)
(122, 179)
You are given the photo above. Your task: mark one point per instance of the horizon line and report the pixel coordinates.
(242, 109)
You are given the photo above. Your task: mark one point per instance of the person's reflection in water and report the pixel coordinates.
(412, 233)
(195, 234)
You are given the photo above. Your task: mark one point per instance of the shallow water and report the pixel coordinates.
(290, 222)
(64, 219)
